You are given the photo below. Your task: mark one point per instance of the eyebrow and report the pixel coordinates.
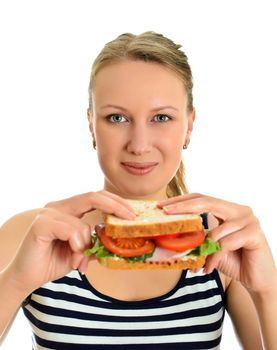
(160, 108)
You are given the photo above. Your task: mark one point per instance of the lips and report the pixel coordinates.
(136, 168)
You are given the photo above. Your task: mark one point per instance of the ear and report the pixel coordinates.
(191, 118)
(89, 116)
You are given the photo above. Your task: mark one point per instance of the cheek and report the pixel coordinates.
(108, 141)
(173, 139)
(108, 148)
(172, 149)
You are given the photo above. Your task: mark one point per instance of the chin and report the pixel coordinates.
(150, 187)
(140, 191)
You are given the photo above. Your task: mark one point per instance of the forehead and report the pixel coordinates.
(129, 82)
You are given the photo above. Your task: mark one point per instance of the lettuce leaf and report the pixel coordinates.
(141, 257)
(98, 249)
(95, 246)
(209, 246)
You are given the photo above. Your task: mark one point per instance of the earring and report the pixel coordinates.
(185, 146)
(94, 144)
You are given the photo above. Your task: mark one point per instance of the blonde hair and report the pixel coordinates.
(149, 47)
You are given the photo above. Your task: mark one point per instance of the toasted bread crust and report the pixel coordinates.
(150, 221)
(153, 229)
(189, 263)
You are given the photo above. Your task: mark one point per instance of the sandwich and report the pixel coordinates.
(153, 240)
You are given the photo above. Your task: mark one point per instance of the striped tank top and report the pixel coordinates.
(70, 313)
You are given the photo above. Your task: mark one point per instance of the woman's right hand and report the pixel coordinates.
(57, 238)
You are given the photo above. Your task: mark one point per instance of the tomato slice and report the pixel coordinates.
(126, 247)
(181, 243)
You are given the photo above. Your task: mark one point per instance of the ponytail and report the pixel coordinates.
(177, 186)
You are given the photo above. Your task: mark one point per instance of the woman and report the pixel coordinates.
(141, 117)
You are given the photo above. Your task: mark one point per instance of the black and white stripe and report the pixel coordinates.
(70, 314)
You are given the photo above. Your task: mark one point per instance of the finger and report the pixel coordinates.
(219, 220)
(76, 259)
(78, 239)
(45, 230)
(219, 208)
(76, 206)
(75, 224)
(79, 205)
(228, 227)
(196, 270)
(177, 199)
(84, 264)
(213, 261)
(244, 238)
(196, 205)
(83, 228)
(119, 199)
(213, 221)
(109, 205)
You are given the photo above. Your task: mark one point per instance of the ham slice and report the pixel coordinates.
(161, 254)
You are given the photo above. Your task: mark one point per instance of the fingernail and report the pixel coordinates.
(131, 215)
(160, 204)
(130, 208)
(168, 208)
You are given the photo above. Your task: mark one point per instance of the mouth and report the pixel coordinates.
(139, 169)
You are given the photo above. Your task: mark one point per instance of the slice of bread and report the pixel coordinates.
(189, 262)
(151, 221)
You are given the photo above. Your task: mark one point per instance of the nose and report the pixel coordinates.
(140, 141)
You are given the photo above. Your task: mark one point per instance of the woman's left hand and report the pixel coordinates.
(245, 254)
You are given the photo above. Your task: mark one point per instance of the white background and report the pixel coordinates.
(47, 48)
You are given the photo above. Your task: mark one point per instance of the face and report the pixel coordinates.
(140, 123)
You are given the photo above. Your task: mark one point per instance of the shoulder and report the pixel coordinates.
(12, 233)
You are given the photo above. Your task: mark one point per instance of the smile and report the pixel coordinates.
(139, 169)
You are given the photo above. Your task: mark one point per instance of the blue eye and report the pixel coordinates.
(115, 118)
(162, 117)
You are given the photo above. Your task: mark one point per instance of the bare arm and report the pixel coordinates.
(11, 297)
(266, 306)
(11, 235)
(244, 316)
